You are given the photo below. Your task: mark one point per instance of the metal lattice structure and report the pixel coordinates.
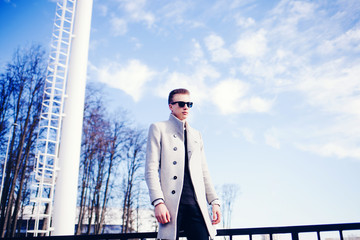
(48, 141)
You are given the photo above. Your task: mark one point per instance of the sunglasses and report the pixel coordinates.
(182, 104)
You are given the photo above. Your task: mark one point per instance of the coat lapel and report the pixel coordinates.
(192, 141)
(177, 127)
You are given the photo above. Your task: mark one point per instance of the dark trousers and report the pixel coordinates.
(191, 221)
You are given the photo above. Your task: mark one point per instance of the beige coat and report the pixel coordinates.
(165, 159)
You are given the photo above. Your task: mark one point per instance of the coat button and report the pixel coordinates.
(175, 136)
(175, 148)
(173, 191)
(175, 177)
(174, 162)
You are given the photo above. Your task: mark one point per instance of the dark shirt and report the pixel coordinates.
(188, 193)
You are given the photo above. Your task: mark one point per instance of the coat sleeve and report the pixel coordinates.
(152, 164)
(211, 195)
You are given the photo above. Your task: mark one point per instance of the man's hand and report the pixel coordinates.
(162, 213)
(216, 214)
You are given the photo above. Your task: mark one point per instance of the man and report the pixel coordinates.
(177, 175)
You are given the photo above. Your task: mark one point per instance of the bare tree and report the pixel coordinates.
(22, 86)
(229, 193)
(117, 139)
(6, 89)
(112, 150)
(103, 141)
(134, 160)
(94, 136)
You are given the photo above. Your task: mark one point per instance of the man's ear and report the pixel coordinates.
(171, 107)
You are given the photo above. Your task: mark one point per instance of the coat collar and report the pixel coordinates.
(179, 130)
(180, 125)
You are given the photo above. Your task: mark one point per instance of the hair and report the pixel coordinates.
(177, 91)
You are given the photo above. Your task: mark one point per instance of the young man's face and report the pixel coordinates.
(180, 112)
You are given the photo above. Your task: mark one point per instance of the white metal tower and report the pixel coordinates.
(51, 116)
(69, 154)
(62, 82)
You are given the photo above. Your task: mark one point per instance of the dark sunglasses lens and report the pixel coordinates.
(181, 104)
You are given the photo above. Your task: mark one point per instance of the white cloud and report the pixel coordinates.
(180, 80)
(214, 44)
(337, 138)
(103, 9)
(227, 95)
(220, 55)
(232, 96)
(348, 41)
(333, 149)
(130, 78)
(174, 10)
(230, 5)
(321, 63)
(173, 81)
(136, 42)
(119, 26)
(252, 45)
(244, 22)
(333, 87)
(195, 82)
(95, 43)
(272, 138)
(135, 8)
(197, 53)
(174, 15)
(289, 13)
(248, 135)
(301, 9)
(259, 104)
(205, 72)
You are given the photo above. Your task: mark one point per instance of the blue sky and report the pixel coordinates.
(275, 85)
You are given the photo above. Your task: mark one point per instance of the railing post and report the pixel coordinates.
(295, 236)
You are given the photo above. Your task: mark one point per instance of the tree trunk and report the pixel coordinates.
(17, 168)
(19, 195)
(103, 211)
(85, 185)
(7, 180)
